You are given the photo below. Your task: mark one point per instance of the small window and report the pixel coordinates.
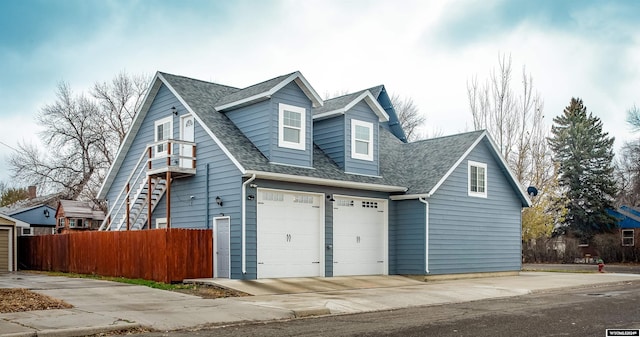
(26, 231)
(161, 223)
(61, 222)
(627, 237)
(477, 179)
(361, 140)
(291, 127)
(163, 131)
(72, 223)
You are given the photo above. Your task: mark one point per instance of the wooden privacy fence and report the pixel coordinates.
(163, 255)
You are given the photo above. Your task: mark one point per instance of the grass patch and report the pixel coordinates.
(137, 281)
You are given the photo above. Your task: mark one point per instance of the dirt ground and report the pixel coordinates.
(16, 300)
(207, 291)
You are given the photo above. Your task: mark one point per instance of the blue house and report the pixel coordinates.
(628, 224)
(297, 186)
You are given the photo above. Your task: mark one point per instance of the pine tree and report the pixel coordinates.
(584, 155)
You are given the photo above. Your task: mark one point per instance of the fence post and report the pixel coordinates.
(128, 208)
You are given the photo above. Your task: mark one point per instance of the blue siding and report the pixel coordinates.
(329, 135)
(471, 234)
(160, 108)
(363, 112)
(407, 238)
(35, 216)
(223, 177)
(257, 123)
(291, 94)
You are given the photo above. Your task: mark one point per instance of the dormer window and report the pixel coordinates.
(291, 126)
(361, 140)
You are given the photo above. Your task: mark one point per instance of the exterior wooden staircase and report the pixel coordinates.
(151, 178)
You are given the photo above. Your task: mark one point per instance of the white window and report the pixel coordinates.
(26, 231)
(361, 140)
(477, 179)
(163, 131)
(61, 222)
(72, 223)
(161, 223)
(291, 126)
(627, 237)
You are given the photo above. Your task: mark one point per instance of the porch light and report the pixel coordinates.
(219, 201)
(174, 110)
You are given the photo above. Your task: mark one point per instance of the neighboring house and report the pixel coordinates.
(294, 186)
(8, 242)
(37, 211)
(628, 224)
(74, 215)
(41, 219)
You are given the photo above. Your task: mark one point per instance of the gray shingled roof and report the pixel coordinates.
(344, 100)
(418, 166)
(253, 90)
(426, 162)
(80, 209)
(203, 96)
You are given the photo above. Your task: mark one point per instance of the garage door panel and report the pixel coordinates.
(290, 231)
(4, 250)
(359, 236)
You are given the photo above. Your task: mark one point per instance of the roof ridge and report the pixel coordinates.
(448, 136)
(199, 80)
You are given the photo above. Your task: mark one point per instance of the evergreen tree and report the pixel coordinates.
(584, 155)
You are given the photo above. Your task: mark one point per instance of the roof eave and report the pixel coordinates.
(325, 182)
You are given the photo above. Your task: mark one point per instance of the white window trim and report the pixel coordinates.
(486, 183)
(155, 134)
(633, 236)
(30, 230)
(161, 223)
(303, 125)
(354, 154)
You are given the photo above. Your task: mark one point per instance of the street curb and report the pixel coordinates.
(308, 312)
(72, 332)
(20, 334)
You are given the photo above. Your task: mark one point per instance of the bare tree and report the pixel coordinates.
(82, 135)
(627, 165)
(515, 119)
(410, 117)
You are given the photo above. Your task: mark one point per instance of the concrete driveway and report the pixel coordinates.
(104, 306)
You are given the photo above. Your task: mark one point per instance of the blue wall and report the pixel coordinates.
(471, 234)
(407, 237)
(329, 135)
(36, 216)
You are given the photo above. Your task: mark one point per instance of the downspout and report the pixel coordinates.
(426, 233)
(206, 195)
(244, 223)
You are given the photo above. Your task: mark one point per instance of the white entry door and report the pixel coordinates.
(187, 134)
(359, 236)
(290, 234)
(221, 247)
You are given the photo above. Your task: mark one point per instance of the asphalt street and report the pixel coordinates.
(581, 311)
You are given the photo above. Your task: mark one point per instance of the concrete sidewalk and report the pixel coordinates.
(103, 306)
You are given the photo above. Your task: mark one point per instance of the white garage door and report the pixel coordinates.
(290, 234)
(359, 236)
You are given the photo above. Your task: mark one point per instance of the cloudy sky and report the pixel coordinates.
(426, 50)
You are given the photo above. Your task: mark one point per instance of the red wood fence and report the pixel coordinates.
(163, 255)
